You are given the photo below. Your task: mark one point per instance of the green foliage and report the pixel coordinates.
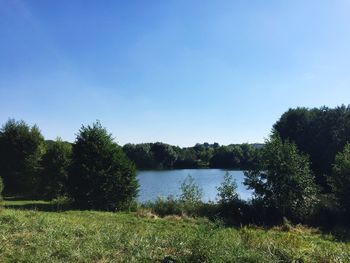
(141, 155)
(227, 191)
(241, 156)
(55, 164)
(318, 132)
(188, 203)
(190, 191)
(88, 236)
(61, 202)
(191, 195)
(286, 225)
(284, 180)
(160, 155)
(101, 176)
(340, 180)
(164, 207)
(21, 148)
(164, 154)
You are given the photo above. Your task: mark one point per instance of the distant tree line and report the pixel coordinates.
(164, 156)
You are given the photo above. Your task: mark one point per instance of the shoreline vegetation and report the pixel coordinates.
(86, 209)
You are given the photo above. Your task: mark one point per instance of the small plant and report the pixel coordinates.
(190, 191)
(191, 195)
(227, 191)
(164, 207)
(61, 203)
(286, 225)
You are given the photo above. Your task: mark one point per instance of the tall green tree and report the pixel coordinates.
(55, 164)
(340, 180)
(101, 176)
(284, 180)
(21, 148)
(318, 132)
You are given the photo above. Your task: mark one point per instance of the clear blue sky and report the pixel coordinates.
(176, 71)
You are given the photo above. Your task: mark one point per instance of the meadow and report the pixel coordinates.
(35, 231)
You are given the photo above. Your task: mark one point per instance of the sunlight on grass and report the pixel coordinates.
(90, 236)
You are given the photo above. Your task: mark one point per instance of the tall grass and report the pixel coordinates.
(87, 236)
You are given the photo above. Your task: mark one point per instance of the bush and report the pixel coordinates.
(101, 176)
(283, 180)
(164, 207)
(191, 195)
(227, 191)
(188, 203)
(60, 203)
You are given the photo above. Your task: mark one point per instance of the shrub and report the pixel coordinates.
(60, 203)
(227, 191)
(101, 176)
(286, 225)
(191, 195)
(283, 180)
(164, 207)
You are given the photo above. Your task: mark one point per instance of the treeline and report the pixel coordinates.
(160, 156)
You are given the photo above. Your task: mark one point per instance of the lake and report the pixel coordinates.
(167, 182)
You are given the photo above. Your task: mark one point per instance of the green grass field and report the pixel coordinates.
(30, 235)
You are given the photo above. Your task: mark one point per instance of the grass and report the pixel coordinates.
(30, 235)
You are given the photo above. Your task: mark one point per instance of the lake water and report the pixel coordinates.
(167, 182)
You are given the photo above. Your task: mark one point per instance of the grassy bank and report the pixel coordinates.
(87, 236)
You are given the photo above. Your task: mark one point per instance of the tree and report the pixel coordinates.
(21, 148)
(190, 192)
(187, 158)
(283, 180)
(242, 156)
(340, 180)
(320, 133)
(227, 191)
(191, 195)
(101, 176)
(164, 155)
(225, 157)
(55, 164)
(140, 154)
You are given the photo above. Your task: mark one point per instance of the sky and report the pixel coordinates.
(175, 71)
